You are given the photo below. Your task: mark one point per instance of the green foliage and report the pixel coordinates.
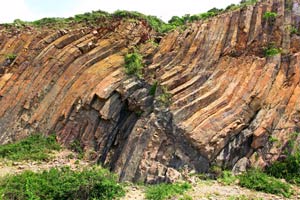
(272, 50)
(248, 2)
(76, 147)
(243, 197)
(134, 64)
(11, 56)
(153, 88)
(61, 184)
(273, 139)
(270, 15)
(294, 30)
(177, 21)
(257, 180)
(165, 97)
(19, 23)
(91, 16)
(48, 21)
(216, 171)
(227, 178)
(158, 25)
(242, 4)
(186, 197)
(34, 147)
(232, 7)
(165, 191)
(288, 169)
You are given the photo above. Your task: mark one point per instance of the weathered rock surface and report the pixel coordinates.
(228, 99)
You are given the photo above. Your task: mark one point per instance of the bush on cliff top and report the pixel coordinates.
(34, 147)
(157, 24)
(61, 184)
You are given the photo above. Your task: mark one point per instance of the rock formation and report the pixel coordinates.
(229, 100)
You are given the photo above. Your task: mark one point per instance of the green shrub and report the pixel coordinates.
(133, 64)
(160, 26)
(165, 191)
(273, 139)
(288, 169)
(91, 16)
(232, 7)
(61, 184)
(294, 30)
(227, 178)
(153, 88)
(11, 56)
(186, 197)
(49, 21)
(248, 2)
(259, 181)
(165, 97)
(76, 147)
(272, 51)
(34, 147)
(270, 15)
(243, 197)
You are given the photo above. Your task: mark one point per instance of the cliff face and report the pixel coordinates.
(229, 100)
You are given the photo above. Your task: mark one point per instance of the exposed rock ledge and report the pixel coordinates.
(228, 99)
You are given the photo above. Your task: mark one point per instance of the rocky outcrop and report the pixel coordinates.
(229, 100)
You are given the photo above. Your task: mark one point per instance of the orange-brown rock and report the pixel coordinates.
(229, 100)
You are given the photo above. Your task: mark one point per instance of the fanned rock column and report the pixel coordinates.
(230, 102)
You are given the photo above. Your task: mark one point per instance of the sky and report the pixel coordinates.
(29, 10)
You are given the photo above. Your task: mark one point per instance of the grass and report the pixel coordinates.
(63, 183)
(134, 64)
(259, 181)
(243, 197)
(227, 178)
(35, 147)
(186, 197)
(165, 191)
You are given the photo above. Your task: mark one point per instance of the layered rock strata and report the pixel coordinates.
(229, 100)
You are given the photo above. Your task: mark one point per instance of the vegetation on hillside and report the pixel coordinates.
(166, 191)
(272, 50)
(134, 64)
(270, 15)
(34, 147)
(97, 17)
(11, 56)
(259, 181)
(270, 180)
(62, 184)
(288, 169)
